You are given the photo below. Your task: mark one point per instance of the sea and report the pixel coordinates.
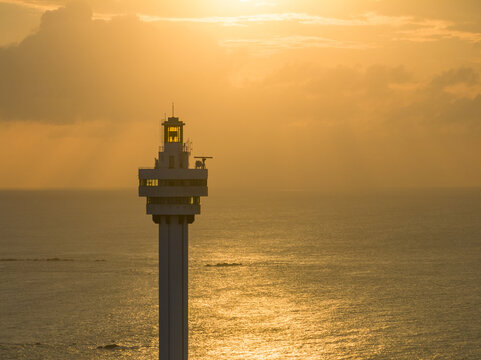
(367, 274)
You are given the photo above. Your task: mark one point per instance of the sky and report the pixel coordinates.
(292, 95)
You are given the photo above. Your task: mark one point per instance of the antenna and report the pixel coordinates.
(160, 129)
(172, 109)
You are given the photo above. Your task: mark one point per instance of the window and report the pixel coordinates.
(152, 182)
(174, 200)
(173, 134)
(173, 182)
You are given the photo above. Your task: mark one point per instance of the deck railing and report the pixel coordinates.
(187, 147)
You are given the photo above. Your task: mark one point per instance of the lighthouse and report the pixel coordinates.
(173, 190)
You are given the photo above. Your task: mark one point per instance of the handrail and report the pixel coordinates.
(163, 168)
(186, 147)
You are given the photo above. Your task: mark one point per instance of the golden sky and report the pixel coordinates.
(304, 94)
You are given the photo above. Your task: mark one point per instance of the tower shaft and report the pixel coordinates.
(173, 288)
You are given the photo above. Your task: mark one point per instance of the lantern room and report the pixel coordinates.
(173, 130)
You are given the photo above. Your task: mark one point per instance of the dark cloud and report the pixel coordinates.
(373, 126)
(15, 22)
(449, 99)
(468, 11)
(464, 75)
(76, 68)
(74, 13)
(381, 94)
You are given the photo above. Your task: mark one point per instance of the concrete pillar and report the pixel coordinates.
(173, 288)
(164, 331)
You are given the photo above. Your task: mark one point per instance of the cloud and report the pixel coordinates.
(404, 28)
(273, 44)
(464, 75)
(385, 97)
(76, 68)
(437, 105)
(429, 30)
(40, 6)
(378, 125)
(368, 19)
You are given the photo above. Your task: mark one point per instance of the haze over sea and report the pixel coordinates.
(391, 274)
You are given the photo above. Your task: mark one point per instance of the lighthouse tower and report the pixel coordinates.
(173, 192)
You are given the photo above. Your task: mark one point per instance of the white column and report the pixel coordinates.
(176, 289)
(185, 256)
(173, 288)
(164, 328)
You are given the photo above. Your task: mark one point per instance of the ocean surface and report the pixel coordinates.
(273, 275)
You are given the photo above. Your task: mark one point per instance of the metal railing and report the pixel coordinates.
(186, 147)
(173, 182)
